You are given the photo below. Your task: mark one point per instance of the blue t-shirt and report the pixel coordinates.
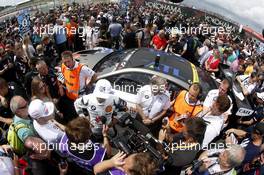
(251, 151)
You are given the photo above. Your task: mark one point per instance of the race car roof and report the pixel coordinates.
(169, 63)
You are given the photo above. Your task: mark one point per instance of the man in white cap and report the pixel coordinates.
(99, 106)
(47, 128)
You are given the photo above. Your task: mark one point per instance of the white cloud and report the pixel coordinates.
(249, 9)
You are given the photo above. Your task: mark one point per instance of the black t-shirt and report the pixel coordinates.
(13, 90)
(184, 155)
(49, 50)
(3, 64)
(21, 68)
(10, 74)
(176, 47)
(130, 40)
(51, 81)
(28, 79)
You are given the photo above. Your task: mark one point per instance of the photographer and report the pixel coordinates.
(183, 152)
(121, 164)
(215, 162)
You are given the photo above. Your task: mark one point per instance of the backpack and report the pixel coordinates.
(14, 140)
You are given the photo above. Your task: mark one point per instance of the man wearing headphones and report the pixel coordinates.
(187, 104)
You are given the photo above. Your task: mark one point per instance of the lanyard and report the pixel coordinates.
(151, 105)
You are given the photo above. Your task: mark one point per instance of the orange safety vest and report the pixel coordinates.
(72, 80)
(182, 107)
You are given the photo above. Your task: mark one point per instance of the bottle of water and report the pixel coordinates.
(157, 60)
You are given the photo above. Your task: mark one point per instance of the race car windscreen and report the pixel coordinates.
(206, 81)
(110, 62)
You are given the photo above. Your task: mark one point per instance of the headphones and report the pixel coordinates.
(200, 95)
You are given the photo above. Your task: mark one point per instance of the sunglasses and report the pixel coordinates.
(23, 107)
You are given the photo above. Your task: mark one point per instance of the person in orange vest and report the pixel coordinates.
(187, 104)
(77, 77)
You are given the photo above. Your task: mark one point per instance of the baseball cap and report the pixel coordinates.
(37, 109)
(260, 95)
(103, 89)
(260, 127)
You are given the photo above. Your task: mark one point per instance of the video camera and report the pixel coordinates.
(197, 163)
(137, 138)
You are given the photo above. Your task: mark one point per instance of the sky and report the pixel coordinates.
(246, 12)
(10, 2)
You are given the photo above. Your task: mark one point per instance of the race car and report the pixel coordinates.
(129, 70)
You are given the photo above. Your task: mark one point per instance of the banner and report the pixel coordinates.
(219, 22)
(163, 6)
(124, 5)
(24, 23)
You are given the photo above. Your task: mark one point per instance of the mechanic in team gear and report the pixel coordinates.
(152, 103)
(99, 106)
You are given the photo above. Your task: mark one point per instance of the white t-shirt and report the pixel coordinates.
(49, 132)
(211, 98)
(6, 165)
(152, 105)
(92, 34)
(245, 81)
(213, 128)
(96, 110)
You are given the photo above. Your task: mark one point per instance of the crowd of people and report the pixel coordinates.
(52, 125)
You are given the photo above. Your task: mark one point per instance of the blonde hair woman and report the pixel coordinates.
(28, 48)
(39, 90)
